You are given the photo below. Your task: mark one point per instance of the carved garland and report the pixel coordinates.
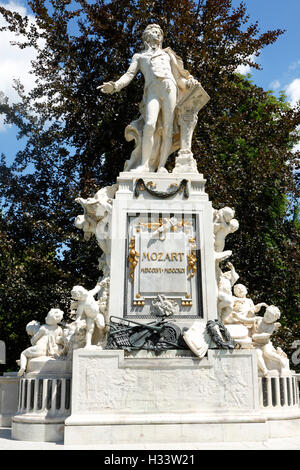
(220, 335)
(141, 186)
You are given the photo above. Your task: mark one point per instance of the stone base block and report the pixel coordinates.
(8, 398)
(44, 401)
(163, 433)
(171, 397)
(284, 428)
(38, 432)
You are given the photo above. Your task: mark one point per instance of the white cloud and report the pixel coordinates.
(244, 69)
(15, 63)
(275, 84)
(293, 91)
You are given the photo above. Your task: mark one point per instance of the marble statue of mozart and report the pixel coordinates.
(172, 97)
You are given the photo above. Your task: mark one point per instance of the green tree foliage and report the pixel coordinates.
(75, 145)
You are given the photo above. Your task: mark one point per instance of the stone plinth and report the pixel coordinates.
(44, 401)
(173, 397)
(162, 243)
(122, 398)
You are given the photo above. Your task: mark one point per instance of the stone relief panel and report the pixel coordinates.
(103, 386)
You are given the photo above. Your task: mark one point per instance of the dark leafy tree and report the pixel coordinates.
(75, 145)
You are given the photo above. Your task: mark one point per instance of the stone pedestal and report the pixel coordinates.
(44, 401)
(162, 243)
(122, 397)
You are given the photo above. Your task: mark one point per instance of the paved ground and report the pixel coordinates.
(7, 443)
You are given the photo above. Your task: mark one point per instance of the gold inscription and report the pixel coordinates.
(160, 256)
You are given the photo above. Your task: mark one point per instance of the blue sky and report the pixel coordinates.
(280, 61)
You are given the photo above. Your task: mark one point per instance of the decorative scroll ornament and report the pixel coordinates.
(133, 258)
(141, 186)
(192, 259)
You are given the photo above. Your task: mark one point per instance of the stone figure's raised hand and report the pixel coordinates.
(107, 87)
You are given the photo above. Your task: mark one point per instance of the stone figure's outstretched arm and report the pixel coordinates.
(233, 274)
(96, 289)
(261, 337)
(242, 317)
(257, 307)
(113, 87)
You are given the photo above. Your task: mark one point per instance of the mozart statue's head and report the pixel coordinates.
(153, 33)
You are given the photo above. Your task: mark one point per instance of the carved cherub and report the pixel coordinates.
(226, 280)
(104, 298)
(262, 329)
(165, 227)
(74, 335)
(96, 217)
(243, 307)
(87, 307)
(224, 224)
(163, 307)
(45, 339)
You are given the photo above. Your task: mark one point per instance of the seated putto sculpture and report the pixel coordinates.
(45, 339)
(243, 306)
(262, 328)
(171, 101)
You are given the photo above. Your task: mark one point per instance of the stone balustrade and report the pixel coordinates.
(279, 391)
(45, 395)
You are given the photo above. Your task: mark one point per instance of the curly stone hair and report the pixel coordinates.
(148, 28)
